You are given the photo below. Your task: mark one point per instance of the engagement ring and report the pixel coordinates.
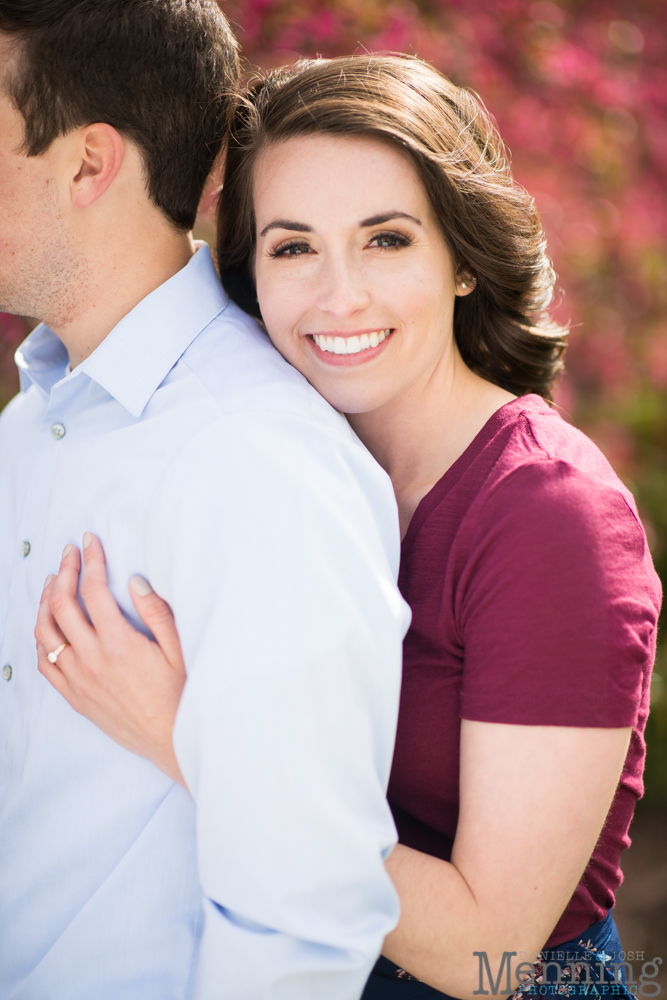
(53, 657)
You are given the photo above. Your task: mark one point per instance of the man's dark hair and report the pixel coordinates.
(162, 72)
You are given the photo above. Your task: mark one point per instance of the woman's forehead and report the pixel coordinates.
(349, 170)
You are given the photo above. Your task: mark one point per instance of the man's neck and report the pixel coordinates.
(113, 282)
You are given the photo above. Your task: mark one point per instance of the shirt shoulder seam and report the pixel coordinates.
(548, 460)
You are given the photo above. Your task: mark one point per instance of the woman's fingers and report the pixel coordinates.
(100, 604)
(47, 632)
(49, 639)
(66, 583)
(62, 602)
(157, 616)
(52, 672)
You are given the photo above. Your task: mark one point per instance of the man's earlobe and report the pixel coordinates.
(101, 153)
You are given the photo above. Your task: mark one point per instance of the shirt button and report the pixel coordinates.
(25, 549)
(7, 673)
(58, 431)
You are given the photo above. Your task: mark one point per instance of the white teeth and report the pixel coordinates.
(350, 345)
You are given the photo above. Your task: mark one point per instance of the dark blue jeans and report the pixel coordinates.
(589, 965)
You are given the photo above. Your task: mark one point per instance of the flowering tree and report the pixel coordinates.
(579, 90)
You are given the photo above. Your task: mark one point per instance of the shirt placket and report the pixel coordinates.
(17, 655)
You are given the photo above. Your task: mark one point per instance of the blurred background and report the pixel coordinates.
(579, 91)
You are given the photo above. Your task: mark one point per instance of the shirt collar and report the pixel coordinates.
(41, 359)
(138, 354)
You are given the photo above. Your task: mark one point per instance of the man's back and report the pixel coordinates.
(207, 464)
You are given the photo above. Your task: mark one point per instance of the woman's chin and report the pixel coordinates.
(348, 399)
(350, 389)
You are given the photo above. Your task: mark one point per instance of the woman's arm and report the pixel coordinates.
(533, 802)
(125, 684)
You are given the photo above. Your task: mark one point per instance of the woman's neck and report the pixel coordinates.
(417, 436)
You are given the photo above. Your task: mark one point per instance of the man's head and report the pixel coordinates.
(157, 76)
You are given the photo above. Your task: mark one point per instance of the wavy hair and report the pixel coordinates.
(503, 329)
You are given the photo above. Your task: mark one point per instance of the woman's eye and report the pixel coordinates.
(389, 241)
(291, 250)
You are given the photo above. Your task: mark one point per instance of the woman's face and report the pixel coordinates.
(355, 281)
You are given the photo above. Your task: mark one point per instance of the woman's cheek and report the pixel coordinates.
(278, 327)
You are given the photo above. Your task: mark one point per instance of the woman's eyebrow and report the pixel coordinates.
(377, 220)
(298, 227)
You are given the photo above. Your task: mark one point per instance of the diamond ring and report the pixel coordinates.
(53, 657)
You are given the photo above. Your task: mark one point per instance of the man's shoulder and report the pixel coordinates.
(262, 422)
(236, 363)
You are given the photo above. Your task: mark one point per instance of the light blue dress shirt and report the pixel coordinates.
(207, 464)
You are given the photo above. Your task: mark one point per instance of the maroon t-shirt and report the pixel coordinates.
(534, 602)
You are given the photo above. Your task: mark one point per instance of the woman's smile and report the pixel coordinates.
(354, 348)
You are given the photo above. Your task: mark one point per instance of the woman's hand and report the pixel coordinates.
(127, 685)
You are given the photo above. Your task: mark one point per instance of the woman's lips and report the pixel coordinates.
(350, 349)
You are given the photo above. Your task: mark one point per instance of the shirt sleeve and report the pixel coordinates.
(557, 604)
(277, 547)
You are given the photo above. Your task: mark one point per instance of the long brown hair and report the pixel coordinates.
(502, 329)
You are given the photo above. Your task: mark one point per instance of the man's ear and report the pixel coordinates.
(100, 156)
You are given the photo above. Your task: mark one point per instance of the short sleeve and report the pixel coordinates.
(557, 603)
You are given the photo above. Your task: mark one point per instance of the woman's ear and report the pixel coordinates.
(100, 154)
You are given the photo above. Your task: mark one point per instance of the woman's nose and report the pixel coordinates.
(343, 291)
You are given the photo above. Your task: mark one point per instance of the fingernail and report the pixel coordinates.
(141, 587)
(67, 550)
(87, 539)
(50, 578)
